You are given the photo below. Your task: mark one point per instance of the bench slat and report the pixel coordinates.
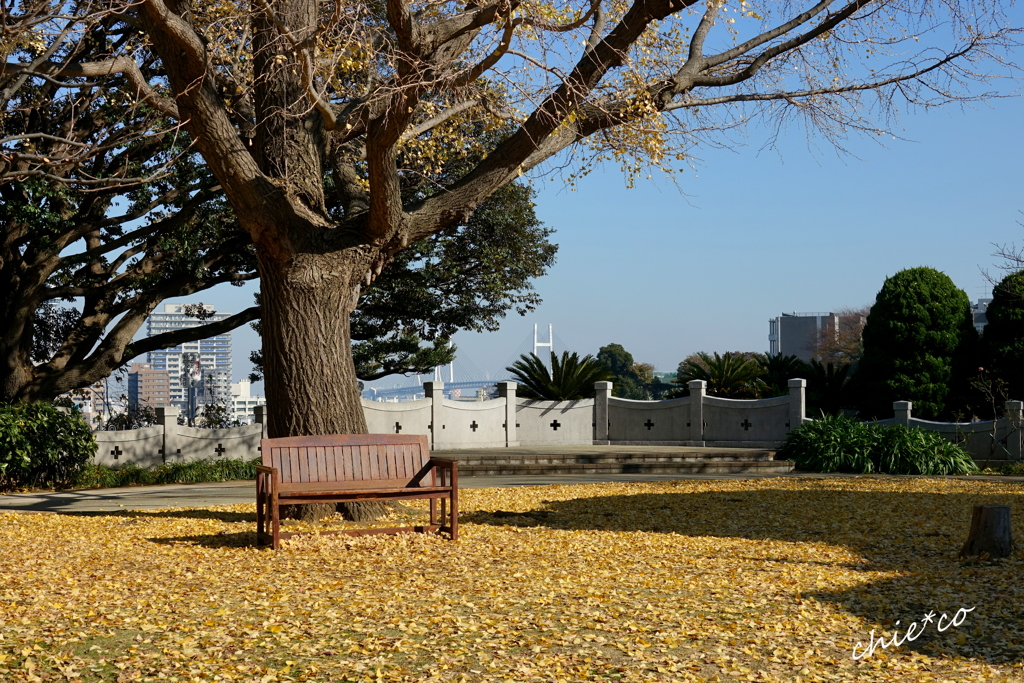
(329, 465)
(375, 464)
(386, 485)
(343, 464)
(300, 453)
(404, 456)
(317, 453)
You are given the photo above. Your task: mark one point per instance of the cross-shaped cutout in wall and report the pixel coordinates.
(398, 428)
(474, 426)
(220, 450)
(555, 425)
(648, 424)
(117, 452)
(746, 424)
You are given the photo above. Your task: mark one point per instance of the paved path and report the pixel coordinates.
(95, 501)
(228, 493)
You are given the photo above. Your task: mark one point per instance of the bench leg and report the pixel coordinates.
(275, 522)
(433, 512)
(454, 523)
(260, 509)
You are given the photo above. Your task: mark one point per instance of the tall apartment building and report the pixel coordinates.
(148, 387)
(214, 355)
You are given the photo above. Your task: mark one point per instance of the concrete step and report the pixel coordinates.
(687, 467)
(615, 459)
(499, 458)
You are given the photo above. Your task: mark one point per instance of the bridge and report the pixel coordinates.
(452, 390)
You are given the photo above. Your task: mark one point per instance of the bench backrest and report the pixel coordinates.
(348, 458)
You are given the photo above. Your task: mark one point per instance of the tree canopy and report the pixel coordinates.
(917, 340)
(1003, 339)
(314, 118)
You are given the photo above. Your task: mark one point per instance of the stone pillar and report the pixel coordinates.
(603, 392)
(261, 418)
(797, 402)
(902, 411)
(1015, 416)
(698, 388)
(167, 417)
(435, 394)
(507, 391)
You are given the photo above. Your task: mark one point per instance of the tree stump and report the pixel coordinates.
(990, 532)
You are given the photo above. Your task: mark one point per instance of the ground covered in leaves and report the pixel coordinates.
(756, 580)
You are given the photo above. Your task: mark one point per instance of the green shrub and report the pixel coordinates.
(835, 443)
(42, 446)
(844, 444)
(911, 450)
(195, 472)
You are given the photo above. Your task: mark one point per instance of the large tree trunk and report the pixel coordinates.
(311, 384)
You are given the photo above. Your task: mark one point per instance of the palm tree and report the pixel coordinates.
(778, 370)
(732, 375)
(827, 386)
(571, 377)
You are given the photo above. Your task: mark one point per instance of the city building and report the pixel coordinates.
(243, 402)
(803, 334)
(980, 312)
(91, 402)
(148, 387)
(213, 354)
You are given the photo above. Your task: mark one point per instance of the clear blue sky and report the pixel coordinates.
(760, 232)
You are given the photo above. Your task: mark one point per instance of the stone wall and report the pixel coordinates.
(508, 421)
(555, 423)
(991, 443)
(170, 442)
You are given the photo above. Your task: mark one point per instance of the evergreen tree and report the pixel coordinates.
(1003, 341)
(918, 340)
(626, 373)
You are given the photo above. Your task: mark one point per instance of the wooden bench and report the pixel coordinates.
(353, 467)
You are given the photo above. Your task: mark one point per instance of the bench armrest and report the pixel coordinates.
(436, 463)
(270, 475)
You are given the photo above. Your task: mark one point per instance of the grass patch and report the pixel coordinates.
(1010, 469)
(750, 580)
(194, 472)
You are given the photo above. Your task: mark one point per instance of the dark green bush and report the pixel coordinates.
(843, 444)
(198, 471)
(835, 443)
(41, 445)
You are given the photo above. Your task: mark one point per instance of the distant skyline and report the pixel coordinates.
(758, 232)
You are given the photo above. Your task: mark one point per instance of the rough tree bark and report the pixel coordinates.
(990, 532)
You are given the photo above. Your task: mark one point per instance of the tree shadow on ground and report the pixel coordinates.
(195, 513)
(224, 539)
(185, 513)
(916, 534)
